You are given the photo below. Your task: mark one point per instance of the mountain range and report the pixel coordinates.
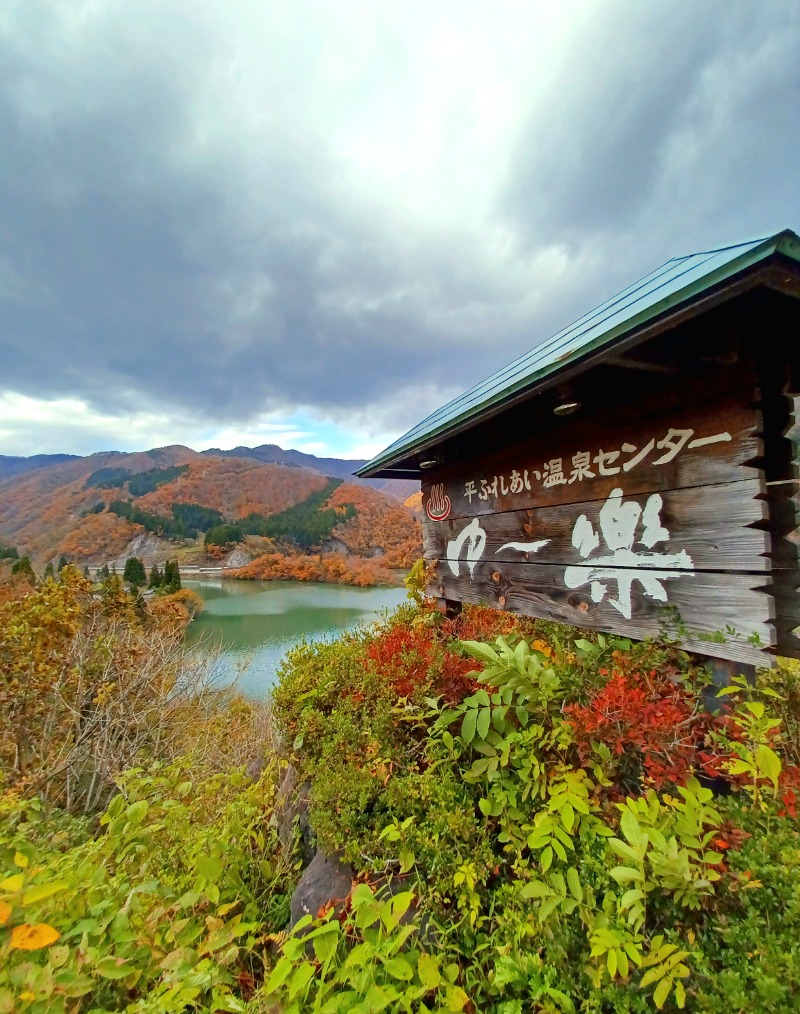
(100, 507)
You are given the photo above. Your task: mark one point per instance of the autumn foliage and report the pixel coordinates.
(56, 511)
(379, 522)
(236, 487)
(90, 685)
(652, 727)
(330, 568)
(409, 659)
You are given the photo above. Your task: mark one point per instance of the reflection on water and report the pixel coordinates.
(257, 622)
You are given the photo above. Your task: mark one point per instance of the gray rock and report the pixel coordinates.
(255, 766)
(292, 805)
(237, 558)
(327, 880)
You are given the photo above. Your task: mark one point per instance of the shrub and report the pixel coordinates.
(89, 687)
(651, 727)
(160, 911)
(549, 814)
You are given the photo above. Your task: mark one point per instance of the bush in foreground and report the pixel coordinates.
(529, 814)
(554, 819)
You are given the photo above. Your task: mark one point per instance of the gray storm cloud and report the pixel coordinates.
(224, 209)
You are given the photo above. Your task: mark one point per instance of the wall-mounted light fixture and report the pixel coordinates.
(431, 462)
(566, 401)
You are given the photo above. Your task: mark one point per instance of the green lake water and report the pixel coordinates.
(256, 622)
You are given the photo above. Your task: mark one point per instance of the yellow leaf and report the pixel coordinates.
(5, 912)
(12, 884)
(20, 860)
(27, 995)
(31, 938)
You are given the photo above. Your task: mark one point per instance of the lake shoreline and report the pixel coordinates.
(255, 623)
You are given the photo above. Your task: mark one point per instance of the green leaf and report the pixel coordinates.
(399, 968)
(622, 874)
(574, 882)
(712, 858)
(622, 849)
(209, 867)
(535, 889)
(325, 943)
(468, 725)
(136, 812)
(428, 971)
(631, 829)
(362, 895)
(547, 859)
(653, 975)
(376, 1000)
(41, 891)
(113, 968)
(662, 992)
(769, 763)
(301, 977)
(480, 767)
(407, 859)
(401, 903)
(484, 718)
(631, 896)
(680, 995)
(455, 998)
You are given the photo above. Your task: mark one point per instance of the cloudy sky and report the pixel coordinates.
(225, 221)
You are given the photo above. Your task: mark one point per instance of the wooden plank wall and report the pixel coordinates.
(649, 517)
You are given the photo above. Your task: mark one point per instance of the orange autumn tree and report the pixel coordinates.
(331, 568)
(89, 686)
(380, 522)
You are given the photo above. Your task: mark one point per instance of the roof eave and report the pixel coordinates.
(393, 462)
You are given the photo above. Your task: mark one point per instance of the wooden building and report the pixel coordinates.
(636, 472)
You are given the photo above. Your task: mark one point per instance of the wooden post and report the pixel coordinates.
(723, 671)
(450, 608)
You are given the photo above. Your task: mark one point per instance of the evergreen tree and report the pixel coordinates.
(134, 572)
(171, 581)
(62, 563)
(155, 577)
(24, 567)
(86, 573)
(48, 571)
(104, 572)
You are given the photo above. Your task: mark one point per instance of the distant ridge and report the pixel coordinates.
(341, 468)
(10, 465)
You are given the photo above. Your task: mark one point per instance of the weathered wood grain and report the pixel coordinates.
(712, 524)
(723, 461)
(708, 605)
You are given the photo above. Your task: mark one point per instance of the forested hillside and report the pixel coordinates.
(101, 508)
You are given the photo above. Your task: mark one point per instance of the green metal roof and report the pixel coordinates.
(679, 281)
